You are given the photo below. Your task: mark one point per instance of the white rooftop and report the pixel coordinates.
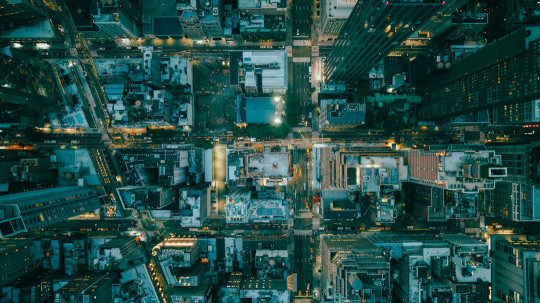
(340, 8)
(272, 253)
(258, 3)
(271, 77)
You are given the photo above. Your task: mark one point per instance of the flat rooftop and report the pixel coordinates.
(246, 4)
(348, 242)
(268, 165)
(263, 284)
(340, 9)
(271, 65)
(461, 239)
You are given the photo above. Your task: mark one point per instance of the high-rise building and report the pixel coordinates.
(39, 208)
(516, 268)
(338, 114)
(15, 259)
(194, 205)
(501, 77)
(211, 15)
(15, 13)
(237, 205)
(201, 19)
(353, 270)
(374, 28)
(517, 197)
(470, 269)
(452, 179)
(465, 168)
(116, 18)
(334, 14)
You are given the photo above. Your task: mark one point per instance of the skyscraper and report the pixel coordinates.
(502, 77)
(517, 197)
(374, 28)
(39, 208)
(451, 180)
(15, 13)
(516, 268)
(116, 18)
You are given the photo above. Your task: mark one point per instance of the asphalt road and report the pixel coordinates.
(304, 255)
(302, 18)
(299, 84)
(302, 185)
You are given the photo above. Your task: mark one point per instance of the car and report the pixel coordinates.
(298, 32)
(309, 79)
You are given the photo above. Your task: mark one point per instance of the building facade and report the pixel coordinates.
(516, 268)
(500, 77)
(334, 14)
(449, 181)
(517, 197)
(372, 31)
(40, 208)
(353, 270)
(116, 19)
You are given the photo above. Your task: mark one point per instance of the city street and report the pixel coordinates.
(302, 18)
(304, 258)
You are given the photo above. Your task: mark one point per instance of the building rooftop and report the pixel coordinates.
(44, 195)
(246, 4)
(191, 291)
(167, 26)
(270, 65)
(118, 67)
(177, 243)
(461, 239)
(39, 30)
(267, 165)
(379, 238)
(347, 242)
(266, 209)
(272, 253)
(209, 10)
(263, 284)
(338, 111)
(260, 110)
(340, 8)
